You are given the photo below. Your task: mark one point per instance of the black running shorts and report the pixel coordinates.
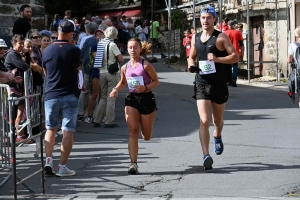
(217, 92)
(143, 102)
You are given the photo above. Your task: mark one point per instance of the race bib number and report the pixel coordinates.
(133, 81)
(207, 67)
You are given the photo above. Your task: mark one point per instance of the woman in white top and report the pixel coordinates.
(141, 30)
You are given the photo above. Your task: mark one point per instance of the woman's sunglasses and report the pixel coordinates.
(35, 37)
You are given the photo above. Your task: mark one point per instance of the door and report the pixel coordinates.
(257, 47)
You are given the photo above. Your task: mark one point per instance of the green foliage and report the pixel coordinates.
(176, 19)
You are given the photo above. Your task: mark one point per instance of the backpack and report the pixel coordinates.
(296, 57)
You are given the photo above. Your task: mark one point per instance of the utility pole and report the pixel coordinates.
(194, 22)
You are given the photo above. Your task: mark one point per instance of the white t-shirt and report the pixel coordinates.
(125, 24)
(113, 52)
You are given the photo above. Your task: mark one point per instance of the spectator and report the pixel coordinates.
(224, 25)
(54, 36)
(106, 105)
(241, 52)
(236, 40)
(154, 32)
(76, 22)
(22, 25)
(82, 33)
(119, 26)
(45, 41)
(97, 20)
(107, 22)
(5, 76)
(186, 42)
(141, 31)
(130, 27)
(90, 29)
(103, 27)
(99, 35)
(61, 61)
(67, 14)
(54, 23)
(86, 68)
(125, 34)
(14, 62)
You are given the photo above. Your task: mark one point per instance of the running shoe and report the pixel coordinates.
(89, 120)
(49, 171)
(64, 171)
(133, 168)
(207, 162)
(219, 147)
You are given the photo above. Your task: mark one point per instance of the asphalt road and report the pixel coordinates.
(260, 160)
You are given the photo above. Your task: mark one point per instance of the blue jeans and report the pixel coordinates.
(235, 67)
(65, 107)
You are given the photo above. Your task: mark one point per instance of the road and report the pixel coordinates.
(260, 159)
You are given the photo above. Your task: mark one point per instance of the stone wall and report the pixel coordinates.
(9, 13)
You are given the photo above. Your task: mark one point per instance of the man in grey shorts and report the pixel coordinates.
(61, 61)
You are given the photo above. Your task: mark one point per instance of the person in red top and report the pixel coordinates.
(225, 26)
(186, 42)
(236, 39)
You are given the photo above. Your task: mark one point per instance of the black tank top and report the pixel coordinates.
(203, 48)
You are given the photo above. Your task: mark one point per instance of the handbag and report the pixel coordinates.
(113, 68)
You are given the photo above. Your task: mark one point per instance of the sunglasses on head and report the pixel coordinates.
(35, 37)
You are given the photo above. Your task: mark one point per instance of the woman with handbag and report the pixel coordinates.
(140, 105)
(109, 77)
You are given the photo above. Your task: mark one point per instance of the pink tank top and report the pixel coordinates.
(136, 76)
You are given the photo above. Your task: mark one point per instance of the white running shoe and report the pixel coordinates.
(64, 171)
(49, 170)
(133, 168)
(89, 120)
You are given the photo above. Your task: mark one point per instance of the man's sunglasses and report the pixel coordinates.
(2, 48)
(54, 38)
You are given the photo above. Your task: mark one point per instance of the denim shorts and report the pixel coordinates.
(66, 108)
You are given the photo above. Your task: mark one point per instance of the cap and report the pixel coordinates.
(209, 9)
(99, 30)
(2, 43)
(230, 23)
(66, 26)
(49, 33)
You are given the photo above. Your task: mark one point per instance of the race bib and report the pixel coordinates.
(207, 67)
(133, 81)
(188, 46)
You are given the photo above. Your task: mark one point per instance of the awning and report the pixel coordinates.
(132, 13)
(101, 14)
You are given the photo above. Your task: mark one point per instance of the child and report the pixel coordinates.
(187, 42)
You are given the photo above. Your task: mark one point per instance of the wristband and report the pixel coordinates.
(115, 89)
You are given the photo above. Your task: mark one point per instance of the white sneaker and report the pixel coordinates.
(133, 168)
(89, 120)
(64, 171)
(104, 119)
(49, 171)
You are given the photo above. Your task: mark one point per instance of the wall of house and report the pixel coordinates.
(266, 8)
(9, 13)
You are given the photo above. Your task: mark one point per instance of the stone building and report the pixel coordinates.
(9, 13)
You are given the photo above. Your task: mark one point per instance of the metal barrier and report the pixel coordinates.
(8, 144)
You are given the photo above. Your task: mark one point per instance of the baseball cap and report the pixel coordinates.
(49, 33)
(66, 26)
(230, 23)
(209, 9)
(2, 43)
